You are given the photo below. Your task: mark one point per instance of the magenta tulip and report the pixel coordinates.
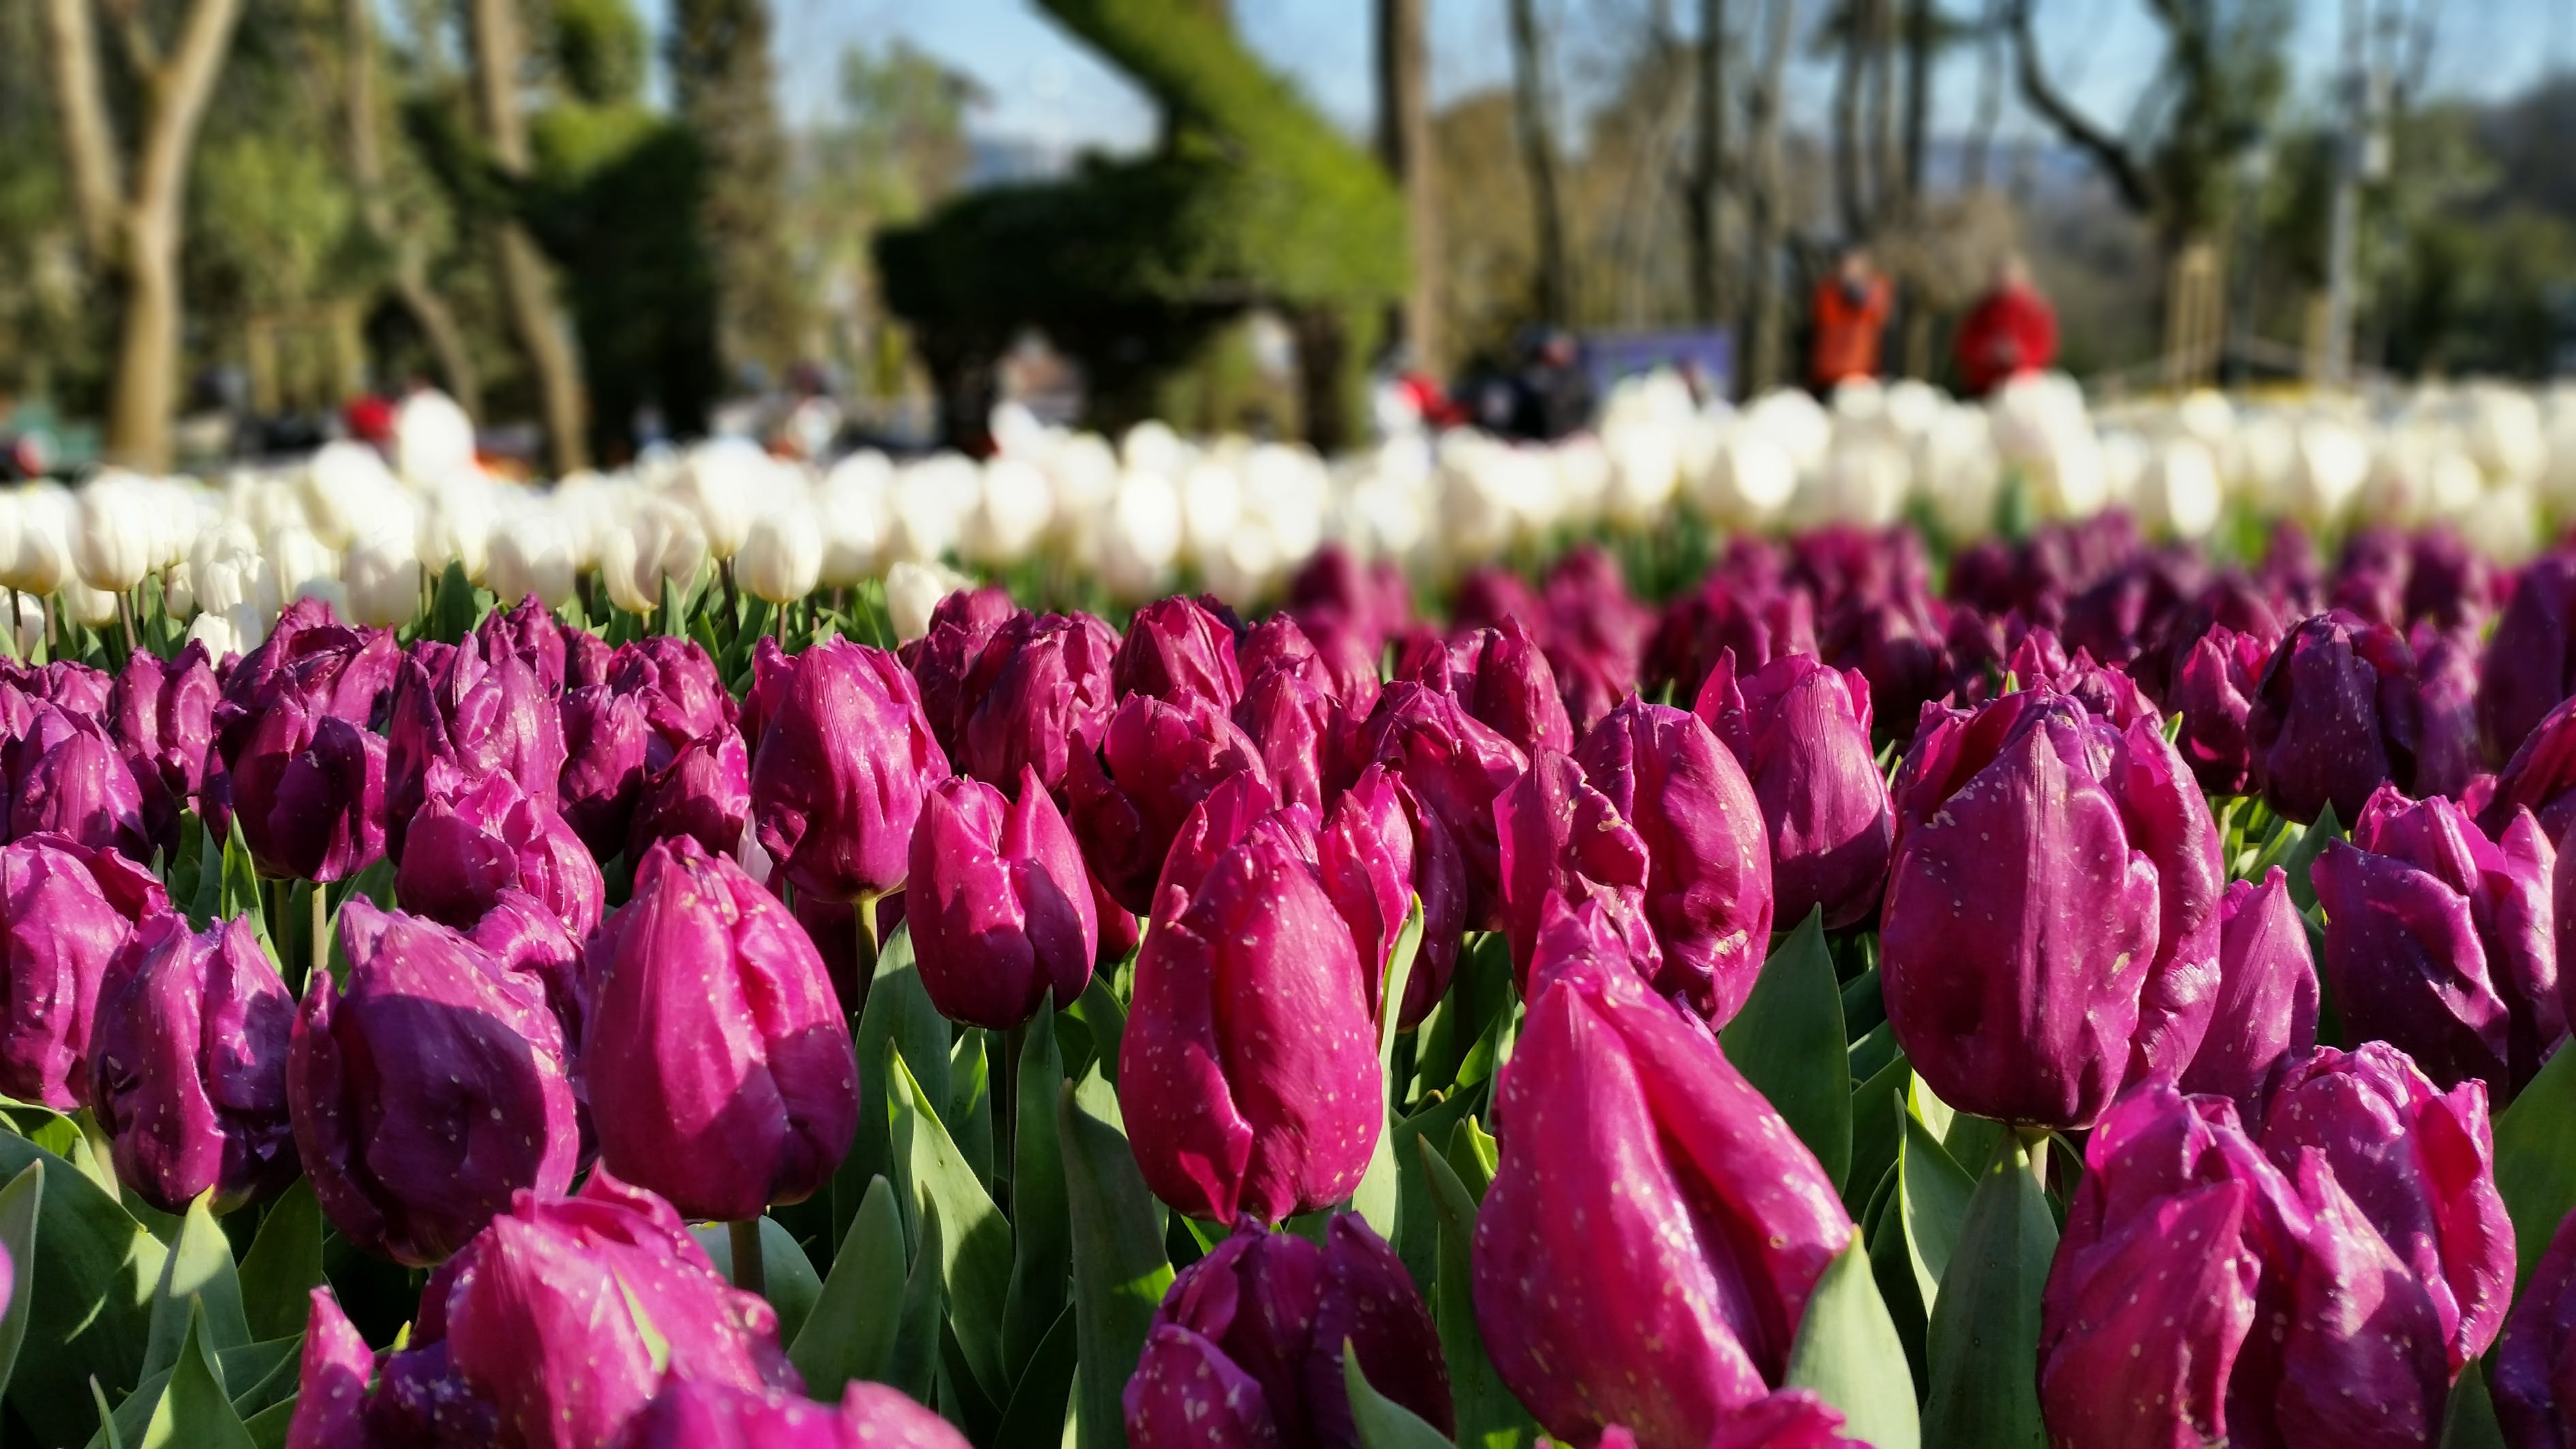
(999, 906)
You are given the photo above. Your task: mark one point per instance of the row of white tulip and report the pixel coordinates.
(365, 530)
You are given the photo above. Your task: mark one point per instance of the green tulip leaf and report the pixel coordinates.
(2535, 1159)
(976, 1271)
(1878, 1112)
(1848, 1352)
(198, 1285)
(898, 1010)
(1041, 1240)
(1119, 1267)
(1034, 1419)
(89, 1296)
(1984, 1339)
(1416, 1238)
(194, 1412)
(21, 1207)
(284, 1264)
(1488, 1416)
(1933, 1193)
(968, 1112)
(1788, 1042)
(788, 1278)
(2469, 1419)
(1382, 1422)
(849, 1335)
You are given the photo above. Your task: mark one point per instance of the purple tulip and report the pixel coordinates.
(953, 665)
(840, 771)
(1801, 733)
(701, 793)
(2420, 1164)
(1742, 608)
(1654, 1229)
(2540, 778)
(2021, 909)
(69, 911)
(2535, 1373)
(1177, 649)
(64, 776)
(1130, 789)
(1562, 840)
(525, 938)
(1787, 1419)
(327, 667)
(66, 684)
(1507, 683)
(2446, 755)
(529, 631)
(575, 1311)
(1332, 657)
(605, 739)
(1249, 1073)
(310, 794)
(426, 1091)
(705, 1414)
(162, 716)
(677, 684)
(2530, 663)
(1378, 851)
(1247, 1347)
(468, 848)
(188, 1065)
(1000, 909)
(2202, 1295)
(2213, 691)
(718, 1061)
(1333, 589)
(1457, 767)
(469, 720)
(332, 1375)
(1290, 720)
(2104, 690)
(2334, 717)
(1050, 687)
(2266, 1011)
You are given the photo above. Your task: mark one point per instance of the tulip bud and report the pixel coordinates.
(702, 793)
(1291, 722)
(782, 556)
(1380, 850)
(1255, 1331)
(322, 781)
(469, 846)
(332, 1375)
(2265, 1016)
(575, 1311)
(603, 775)
(1801, 733)
(1249, 1074)
(1178, 648)
(949, 662)
(2106, 691)
(2213, 691)
(1051, 686)
(1130, 789)
(842, 767)
(71, 909)
(1562, 839)
(2535, 1375)
(2334, 716)
(1331, 657)
(2420, 1165)
(65, 776)
(2011, 1002)
(112, 530)
(2530, 661)
(188, 1065)
(464, 724)
(1456, 767)
(1000, 909)
(718, 1062)
(1756, 619)
(428, 1090)
(699, 1414)
(1504, 680)
(530, 632)
(676, 683)
(1654, 1230)
(162, 717)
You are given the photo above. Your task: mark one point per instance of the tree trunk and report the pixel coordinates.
(367, 171)
(1849, 190)
(1538, 153)
(1324, 378)
(1708, 297)
(1405, 143)
(1765, 320)
(147, 349)
(527, 292)
(1919, 20)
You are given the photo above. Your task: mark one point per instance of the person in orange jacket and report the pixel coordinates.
(2010, 331)
(1851, 310)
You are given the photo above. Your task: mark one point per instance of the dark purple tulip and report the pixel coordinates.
(587, 659)
(677, 685)
(2446, 756)
(576, 1310)
(1506, 682)
(465, 723)
(66, 910)
(1801, 732)
(332, 1373)
(333, 668)
(188, 1065)
(1050, 686)
(488, 838)
(524, 937)
(605, 738)
(2370, 579)
(2105, 691)
(162, 716)
(2420, 1164)
(428, 1091)
(1456, 766)
(1255, 1330)
(1757, 623)
(1129, 790)
(1708, 885)
(2540, 778)
(1488, 595)
(999, 905)
(2214, 691)
(310, 795)
(65, 684)
(704, 1414)
(1333, 657)
(1378, 851)
(1249, 1072)
(64, 776)
(1654, 1229)
(2530, 663)
(1290, 721)
(1786, 1419)
(2266, 1012)
(2201, 1295)
(717, 1059)
(702, 793)
(1564, 841)
(952, 665)
(2535, 1371)
(2334, 717)
(1334, 589)
(2022, 905)
(529, 631)
(841, 769)
(1237, 807)
(1176, 649)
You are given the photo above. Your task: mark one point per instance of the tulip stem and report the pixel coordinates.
(321, 931)
(125, 617)
(2034, 1140)
(865, 908)
(750, 1274)
(1006, 1103)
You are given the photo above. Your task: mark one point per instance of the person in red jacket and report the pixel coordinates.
(2010, 331)
(1851, 310)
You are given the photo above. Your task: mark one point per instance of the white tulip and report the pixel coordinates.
(44, 554)
(95, 608)
(1015, 505)
(927, 503)
(850, 508)
(1754, 479)
(228, 571)
(1143, 539)
(1152, 447)
(1286, 488)
(661, 541)
(782, 555)
(2506, 435)
(2332, 462)
(913, 590)
(433, 439)
(304, 564)
(112, 532)
(342, 486)
(2503, 523)
(720, 482)
(1865, 480)
(1955, 467)
(2179, 493)
(381, 577)
(456, 525)
(531, 554)
(29, 631)
(1794, 421)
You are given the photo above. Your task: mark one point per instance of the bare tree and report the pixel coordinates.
(376, 209)
(1766, 203)
(1708, 168)
(1537, 127)
(133, 228)
(1404, 143)
(527, 291)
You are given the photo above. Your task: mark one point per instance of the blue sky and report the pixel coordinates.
(1047, 88)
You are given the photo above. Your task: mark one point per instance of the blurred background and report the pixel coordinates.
(237, 228)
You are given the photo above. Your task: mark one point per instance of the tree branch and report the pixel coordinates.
(141, 51)
(2127, 177)
(88, 147)
(180, 104)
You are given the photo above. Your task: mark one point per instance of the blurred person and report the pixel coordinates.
(2011, 330)
(369, 418)
(1851, 311)
(1406, 400)
(1556, 396)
